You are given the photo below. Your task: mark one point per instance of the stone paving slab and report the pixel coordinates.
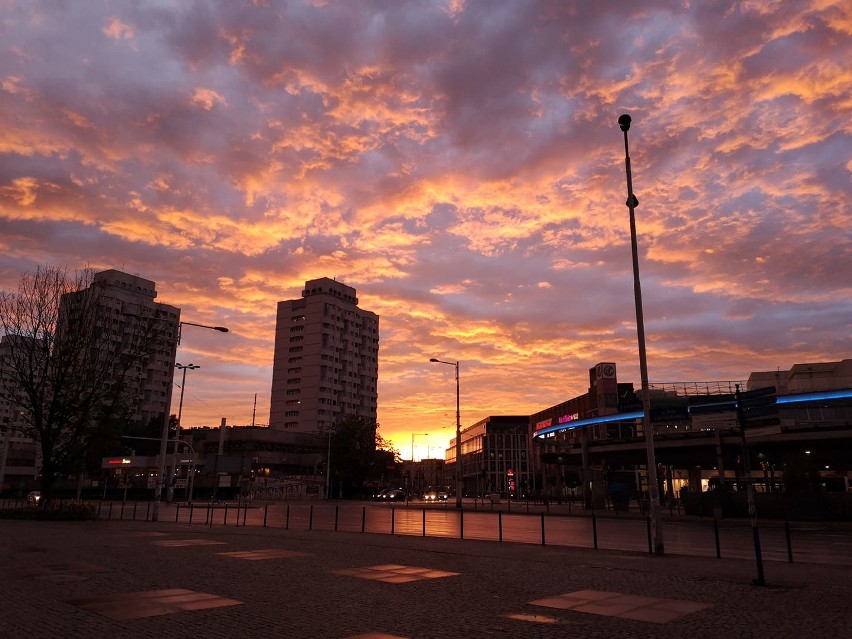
(299, 591)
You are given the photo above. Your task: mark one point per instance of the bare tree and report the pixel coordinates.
(71, 363)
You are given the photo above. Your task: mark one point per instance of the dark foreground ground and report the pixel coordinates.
(166, 581)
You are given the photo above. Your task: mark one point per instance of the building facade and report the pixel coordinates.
(125, 301)
(125, 317)
(325, 365)
(698, 435)
(495, 457)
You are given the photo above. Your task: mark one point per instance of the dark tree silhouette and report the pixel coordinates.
(69, 368)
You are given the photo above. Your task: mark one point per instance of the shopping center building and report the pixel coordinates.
(594, 445)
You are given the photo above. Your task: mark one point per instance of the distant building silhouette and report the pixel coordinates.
(125, 299)
(325, 365)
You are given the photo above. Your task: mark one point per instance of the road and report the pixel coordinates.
(812, 543)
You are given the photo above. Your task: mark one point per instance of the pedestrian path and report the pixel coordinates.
(138, 579)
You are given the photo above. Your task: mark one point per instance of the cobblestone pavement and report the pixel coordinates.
(165, 580)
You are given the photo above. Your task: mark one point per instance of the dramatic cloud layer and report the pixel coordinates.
(460, 164)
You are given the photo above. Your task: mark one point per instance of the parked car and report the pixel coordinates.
(397, 494)
(33, 498)
(381, 495)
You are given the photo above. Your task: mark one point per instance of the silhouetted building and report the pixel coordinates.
(325, 365)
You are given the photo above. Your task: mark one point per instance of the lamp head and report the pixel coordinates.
(221, 329)
(432, 359)
(624, 122)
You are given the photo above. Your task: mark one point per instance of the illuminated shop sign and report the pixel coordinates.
(118, 462)
(568, 418)
(543, 423)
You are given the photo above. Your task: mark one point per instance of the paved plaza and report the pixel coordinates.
(165, 580)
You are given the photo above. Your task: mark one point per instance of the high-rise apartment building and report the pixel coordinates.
(126, 300)
(326, 363)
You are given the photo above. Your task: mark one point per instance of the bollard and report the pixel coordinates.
(225, 518)
(424, 522)
(177, 511)
(716, 532)
(336, 515)
(265, 514)
(542, 529)
(245, 513)
(393, 519)
(789, 542)
(287, 519)
(121, 516)
(100, 503)
(500, 527)
(109, 516)
(650, 540)
(135, 504)
(461, 524)
(311, 518)
(147, 512)
(363, 518)
(595, 529)
(191, 511)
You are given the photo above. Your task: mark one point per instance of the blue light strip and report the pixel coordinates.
(589, 421)
(814, 397)
(626, 417)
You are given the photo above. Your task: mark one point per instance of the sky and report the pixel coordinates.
(458, 162)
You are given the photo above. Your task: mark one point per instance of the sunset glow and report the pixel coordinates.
(460, 164)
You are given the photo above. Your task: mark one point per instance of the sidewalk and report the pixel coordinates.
(147, 580)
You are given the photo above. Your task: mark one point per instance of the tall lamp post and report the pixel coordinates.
(184, 368)
(653, 489)
(164, 440)
(459, 482)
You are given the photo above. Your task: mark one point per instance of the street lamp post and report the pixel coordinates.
(184, 368)
(459, 482)
(653, 489)
(221, 329)
(164, 440)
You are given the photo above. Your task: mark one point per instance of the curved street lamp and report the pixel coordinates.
(459, 482)
(653, 489)
(221, 329)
